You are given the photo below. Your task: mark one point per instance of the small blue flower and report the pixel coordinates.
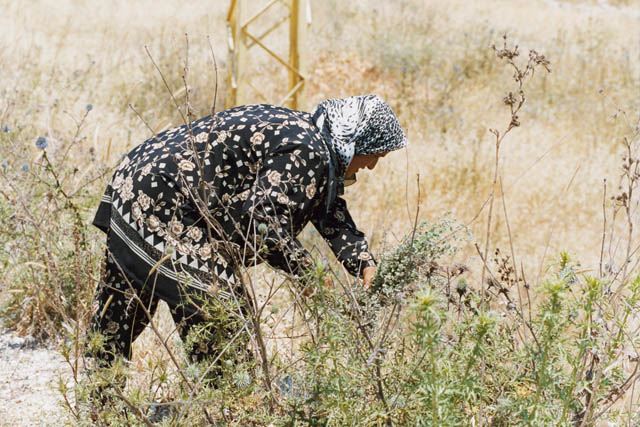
(25, 167)
(456, 68)
(42, 142)
(5, 164)
(89, 107)
(5, 128)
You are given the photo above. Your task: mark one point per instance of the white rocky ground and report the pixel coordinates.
(28, 382)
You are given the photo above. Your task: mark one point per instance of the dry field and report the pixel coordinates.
(431, 60)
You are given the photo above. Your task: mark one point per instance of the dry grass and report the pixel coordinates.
(567, 124)
(431, 60)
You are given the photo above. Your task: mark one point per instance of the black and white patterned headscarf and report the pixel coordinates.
(358, 125)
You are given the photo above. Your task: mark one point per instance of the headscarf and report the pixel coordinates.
(356, 125)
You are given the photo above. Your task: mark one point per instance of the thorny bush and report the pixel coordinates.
(430, 345)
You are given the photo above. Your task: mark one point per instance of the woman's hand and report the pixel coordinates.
(367, 276)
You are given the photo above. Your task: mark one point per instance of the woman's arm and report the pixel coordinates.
(346, 241)
(279, 201)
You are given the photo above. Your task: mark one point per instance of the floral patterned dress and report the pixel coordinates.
(259, 173)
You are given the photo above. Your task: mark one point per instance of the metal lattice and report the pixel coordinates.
(241, 39)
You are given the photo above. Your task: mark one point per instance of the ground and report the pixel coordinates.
(28, 385)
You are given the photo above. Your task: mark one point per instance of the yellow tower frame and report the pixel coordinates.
(240, 40)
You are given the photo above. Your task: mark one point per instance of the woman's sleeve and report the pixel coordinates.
(346, 241)
(279, 199)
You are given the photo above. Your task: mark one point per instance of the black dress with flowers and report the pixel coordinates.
(259, 173)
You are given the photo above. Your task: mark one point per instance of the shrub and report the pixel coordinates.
(49, 258)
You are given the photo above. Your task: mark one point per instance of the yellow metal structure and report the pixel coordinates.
(241, 40)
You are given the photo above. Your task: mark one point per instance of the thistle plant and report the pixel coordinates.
(417, 255)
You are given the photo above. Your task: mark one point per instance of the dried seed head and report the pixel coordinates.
(509, 99)
(461, 287)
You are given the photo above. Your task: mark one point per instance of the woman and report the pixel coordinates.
(188, 204)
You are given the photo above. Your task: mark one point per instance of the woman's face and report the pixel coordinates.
(362, 161)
